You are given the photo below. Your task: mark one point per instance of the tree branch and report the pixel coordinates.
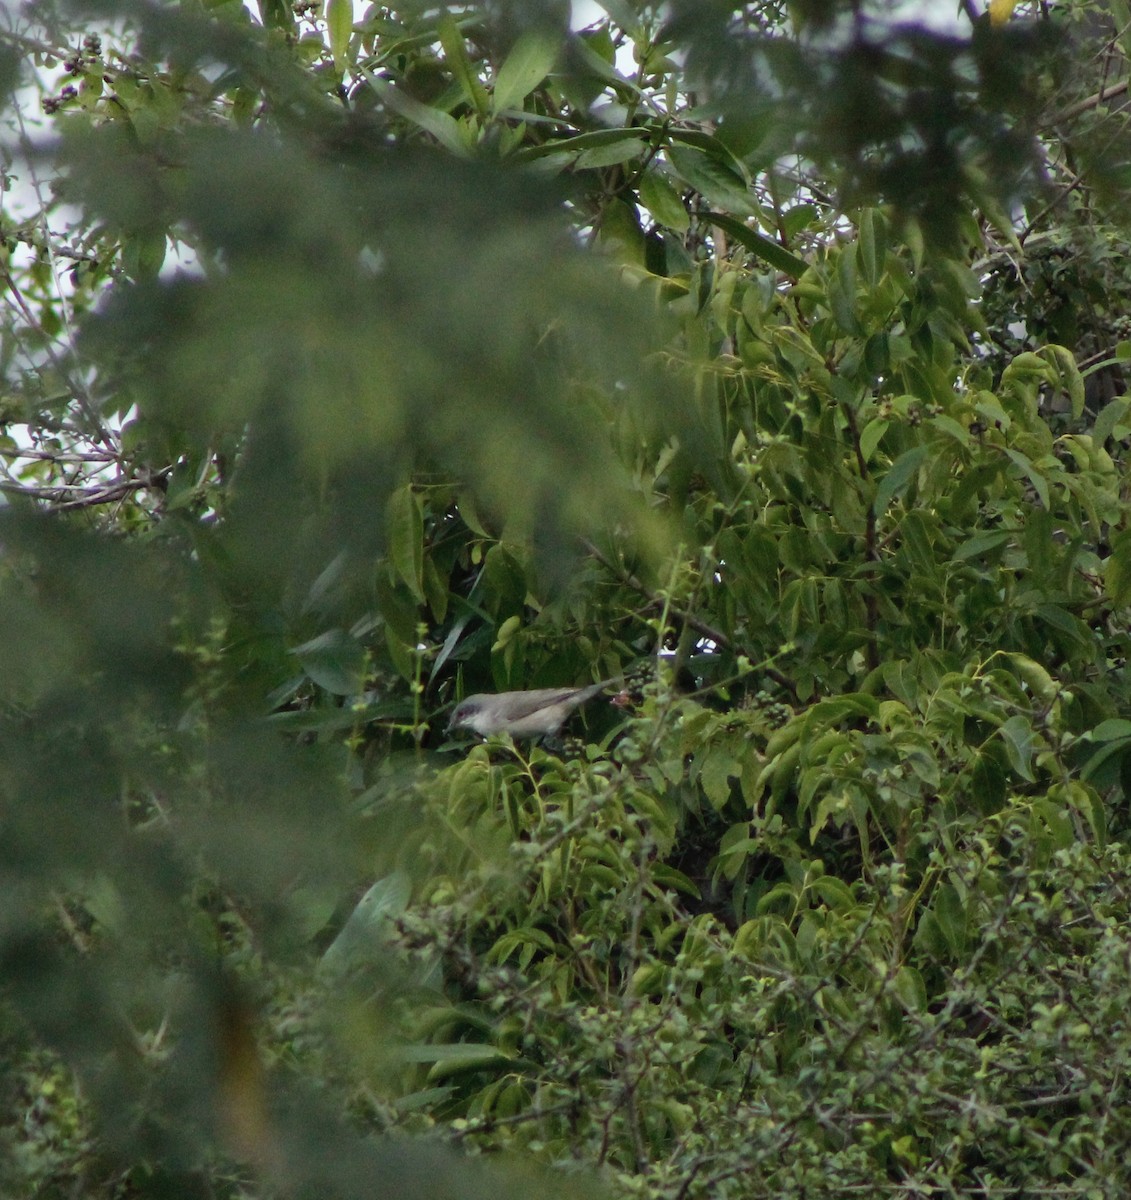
(700, 626)
(1089, 102)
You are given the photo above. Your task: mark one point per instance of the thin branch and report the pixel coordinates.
(61, 496)
(82, 393)
(703, 628)
(59, 456)
(1089, 102)
(657, 601)
(34, 45)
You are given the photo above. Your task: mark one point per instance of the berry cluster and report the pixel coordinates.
(89, 56)
(79, 63)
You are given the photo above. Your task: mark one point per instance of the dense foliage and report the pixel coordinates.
(769, 358)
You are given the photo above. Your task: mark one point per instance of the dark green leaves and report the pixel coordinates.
(452, 352)
(314, 329)
(925, 121)
(898, 477)
(760, 246)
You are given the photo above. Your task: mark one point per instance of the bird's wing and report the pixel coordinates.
(533, 701)
(522, 704)
(594, 689)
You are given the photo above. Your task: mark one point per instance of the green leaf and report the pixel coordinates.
(455, 52)
(799, 217)
(668, 876)
(663, 201)
(829, 712)
(531, 59)
(143, 254)
(447, 1055)
(1055, 819)
(436, 589)
(1039, 682)
(982, 543)
(276, 14)
(441, 125)
(898, 477)
(1086, 801)
(1059, 618)
(404, 524)
(620, 227)
(335, 661)
(950, 913)
(611, 153)
(911, 990)
(762, 247)
(1113, 729)
(340, 720)
(1109, 417)
(588, 58)
(952, 428)
(369, 929)
(871, 436)
(1029, 469)
(713, 180)
(1070, 378)
(929, 935)
(871, 246)
(709, 144)
(1020, 742)
(1118, 750)
(621, 12)
(583, 141)
(339, 23)
(841, 294)
(715, 774)
(835, 893)
(1117, 569)
(321, 593)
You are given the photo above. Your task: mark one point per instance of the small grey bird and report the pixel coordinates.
(540, 712)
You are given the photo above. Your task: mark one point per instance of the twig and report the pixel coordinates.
(82, 394)
(61, 495)
(59, 456)
(688, 618)
(1090, 102)
(657, 601)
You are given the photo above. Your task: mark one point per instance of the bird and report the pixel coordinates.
(539, 712)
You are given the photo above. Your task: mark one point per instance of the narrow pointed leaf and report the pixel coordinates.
(339, 24)
(405, 523)
(760, 246)
(441, 125)
(529, 62)
(902, 471)
(455, 49)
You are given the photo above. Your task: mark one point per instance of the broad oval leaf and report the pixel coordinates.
(663, 202)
